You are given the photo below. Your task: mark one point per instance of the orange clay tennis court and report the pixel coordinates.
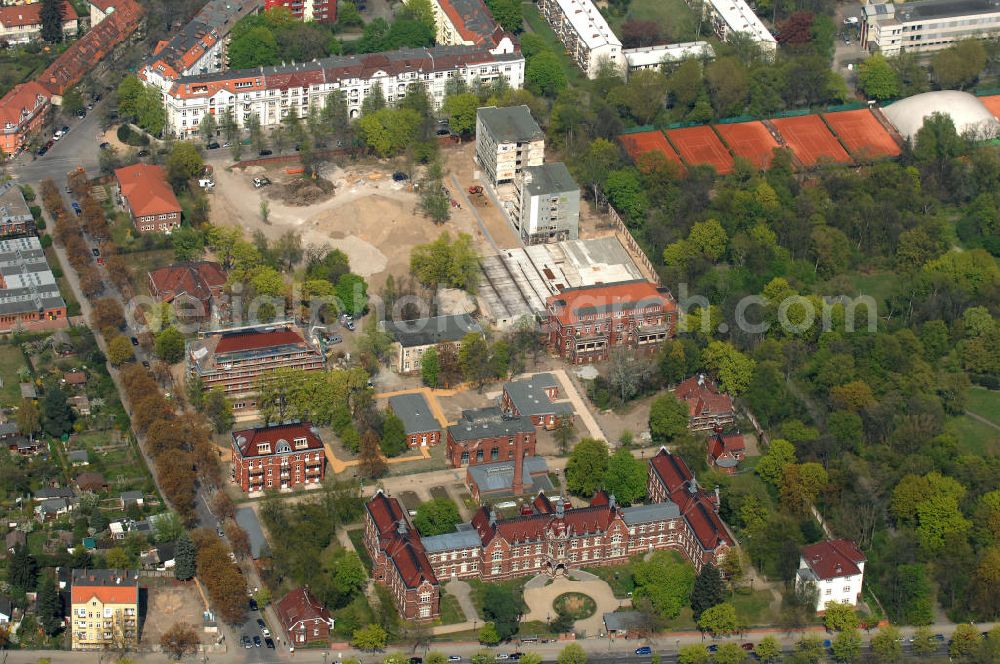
(810, 140)
(993, 104)
(750, 140)
(862, 133)
(700, 145)
(648, 141)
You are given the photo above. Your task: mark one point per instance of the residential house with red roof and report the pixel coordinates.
(104, 608)
(280, 456)
(468, 23)
(836, 568)
(583, 324)
(143, 190)
(708, 409)
(303, 618)
(20, 24)
(320, 11)
(236, 359)
(22, 112)
(545, 537)
(190, 287)
(725, 451)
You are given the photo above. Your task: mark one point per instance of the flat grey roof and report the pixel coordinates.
(623, 620)
(13, 207)
(415, 413)
(499, 476)
(511, 124)
(463, 539)
(930, 9)
(29, 283)
(552, 178)
(247, 520)
(430, 331)
(491, 426)
(650, 513)
(528, 396)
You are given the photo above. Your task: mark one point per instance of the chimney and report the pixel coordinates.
(717, 500)
(518, 486)
(560, 509)
(401, 527)
(493, 517)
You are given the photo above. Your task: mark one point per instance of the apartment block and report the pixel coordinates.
(656, 57)
(508, 140)
(926, 25)
(546, 204)
(320, 11)
(22, 112)
(104, 612)
(281, 456)
(729, 17)
(585, 33)
(20, 24)
(29, 294)
(468, 23)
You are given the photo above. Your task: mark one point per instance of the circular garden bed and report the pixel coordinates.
(575, 605)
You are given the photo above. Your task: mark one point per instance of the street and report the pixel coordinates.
(80, 147)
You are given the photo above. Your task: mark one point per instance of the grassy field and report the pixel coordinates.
(619, 577)
(535, 23)
(754, 608)
(985, 403)
(451, 611)
(11, 359)
(676, 20)
(18, 66)
(973, 436)
(515, 587)
(358, 540)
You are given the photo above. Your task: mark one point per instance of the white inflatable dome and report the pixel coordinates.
(966, 111)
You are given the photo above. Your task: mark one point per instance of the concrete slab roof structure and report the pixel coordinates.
(643, 57)
(968, 113)
(511, 124)
(415, 413)
(488, 423)
(551, 178)
(649, 513)
(462, 539)
(429, 331)
(499, 477)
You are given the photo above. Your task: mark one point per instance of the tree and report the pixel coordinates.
(771, 466)
(768, 649)
(22, 569)
(183, 163)
(960, 64)
(434, 198)
(446, 263)
(488, 634)
(218, 410)
(170, 345)
(461, 110)
(436, 517)
(625, 478)
(430, 368)
(801, 484)
(117, 558)
(693, 654)
(665, 581)
(57, 416)
(544, 74)
(733, 368)
(208, 126)
(49, 606)
(28, 418)
(503, 610)
(587, 466)
(179, 640)
(572, 654)
(474, 358)
(253, 48)
(352, 294)
(51, 14)
(418, 10)
(877, 78)
(564, 432)
(963, 641)
(507, 13)
(847, 646)
(719, 620)
(840, 616)
(886, 645)
(184, 558)
(369, 638)
(119, 350)
(729, 653)
(372, 464)
(393, 436)
(668, 417)
(924, 642)
(708, 590)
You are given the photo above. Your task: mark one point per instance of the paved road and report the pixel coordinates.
(77, 148)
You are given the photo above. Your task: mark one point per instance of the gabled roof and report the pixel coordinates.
(233, 342)
(146, 188)
(21, 16)
(20, 101)
(702, 396)
(728, 445)
(299, 605)
(248, 441)
(572, 304)
(593, 519)
(429, 331)
(472, 19)
(831, 559)
(693, 503)
(110, 586)
(196, 279)
(400, 541)
(75, 377)
(415, 413)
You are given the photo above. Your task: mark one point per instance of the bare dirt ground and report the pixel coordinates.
(459, 162)
(374, 220)
(169, 602)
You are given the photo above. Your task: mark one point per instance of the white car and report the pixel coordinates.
(454, 658)
(206, 183)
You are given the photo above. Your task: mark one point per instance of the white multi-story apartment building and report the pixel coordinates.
(654, 57)
(735, 16)
(926, 25)
(508, 140)
(271, 92)
(836, 568)
(546, 206)
(585, 34)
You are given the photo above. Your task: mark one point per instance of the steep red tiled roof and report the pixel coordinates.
(75, 377)
(695, 506)
(721, 443)
(542, 504)
(572, 304)
(702, 396)
(109, 586)
(194, 279)
(146, 188)
(298, 605)
(25, 15)
(401, 545)
(833, 558)
(253, 340)
(592, 519)
(20, 101)
(248, 440)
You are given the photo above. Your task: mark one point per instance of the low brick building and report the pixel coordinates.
(708, 409)
(143, 190)
(485, 435)
(535, 397)
(303, 619)
(191, 288)
(15, 215)
(281, 456)
(421, 427)
(726, 451)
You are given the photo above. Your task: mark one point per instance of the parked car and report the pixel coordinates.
(261, 182)
(219, 531)
(56, 136)
(81, 113)
(265, 153)
(644, 650)
(400, 176)
(213, 146)
(206, 183)
(713, 648)
(939, 638)
(502, 656)
(65, 129)
(416, 660)
(252, 604)
(269, 642)
(145, 363)
(263, 627)
(96, 252)
(335, 339)
(42, 150)
(135, 341)
(443, 131)
(256, 641)
(247, 643)
(105, 145)
(454, 658)
(747, 646)
(76, 208)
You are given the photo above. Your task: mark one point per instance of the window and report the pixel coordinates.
(425, 597)
(494, 454)
(465, 458)
(497, 555)
(828, 591)
(847, 589)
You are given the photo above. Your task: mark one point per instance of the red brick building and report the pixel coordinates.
(303, 618)
(321, 11)
(234, 360)
(709, 409)
(486, 435)
(190, 287)
(282, 456)
(399, 561)
(421, 427)
(726, 451)
(583, 324)
(546, 536)
(22, 112)
(143, 190)
(536, 397)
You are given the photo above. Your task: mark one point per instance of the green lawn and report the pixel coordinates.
(985, 403)
(619, 577)
(451, 611)
(754, 608)
(974, 437)
(536, 24)
(11, 359)
(18, 66)
(676, 20)
(358, 540)
(515, 587)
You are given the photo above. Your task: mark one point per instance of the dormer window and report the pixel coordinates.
(301, 443)
(263, 448)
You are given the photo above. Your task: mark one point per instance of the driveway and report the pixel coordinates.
(539, 598)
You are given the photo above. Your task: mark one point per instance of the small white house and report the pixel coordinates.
(836, 567)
